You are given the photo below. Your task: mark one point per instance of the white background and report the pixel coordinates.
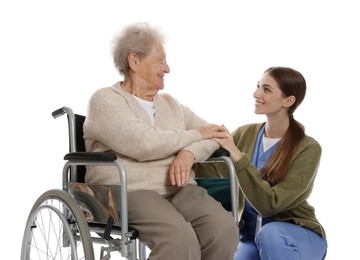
(57, 53)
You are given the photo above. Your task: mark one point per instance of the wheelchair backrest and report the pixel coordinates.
(80, 144)
(79, 133)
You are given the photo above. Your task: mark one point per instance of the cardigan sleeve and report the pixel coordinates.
(289, 193)
(202, 149)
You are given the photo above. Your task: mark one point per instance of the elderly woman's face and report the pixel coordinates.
(152, 69)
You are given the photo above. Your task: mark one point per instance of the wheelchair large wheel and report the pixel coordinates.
(56, 229)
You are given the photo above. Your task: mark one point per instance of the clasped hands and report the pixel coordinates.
(180, 168)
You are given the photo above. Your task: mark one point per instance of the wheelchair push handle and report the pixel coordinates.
(61, 111)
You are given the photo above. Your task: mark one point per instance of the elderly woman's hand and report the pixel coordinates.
(212, 131)
(180, 168)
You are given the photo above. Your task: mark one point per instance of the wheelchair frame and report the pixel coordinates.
(65, 210)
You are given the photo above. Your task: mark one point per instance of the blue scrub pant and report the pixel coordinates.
(280, 240)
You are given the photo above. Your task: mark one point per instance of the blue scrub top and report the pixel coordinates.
(249, 216)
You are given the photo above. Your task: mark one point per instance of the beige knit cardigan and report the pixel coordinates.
(115, 122)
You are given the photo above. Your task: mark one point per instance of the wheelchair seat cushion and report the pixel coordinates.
(219, 189)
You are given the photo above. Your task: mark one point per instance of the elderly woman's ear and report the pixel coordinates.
(133, 61)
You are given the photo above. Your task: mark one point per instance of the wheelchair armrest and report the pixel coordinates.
(220, 152)
(91, 156)
(223, 155)
(100, 158)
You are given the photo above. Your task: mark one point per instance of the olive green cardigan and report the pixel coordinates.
(287, 200)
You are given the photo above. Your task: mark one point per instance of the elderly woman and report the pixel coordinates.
(158, 140)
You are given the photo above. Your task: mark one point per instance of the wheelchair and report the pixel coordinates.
(72, 224)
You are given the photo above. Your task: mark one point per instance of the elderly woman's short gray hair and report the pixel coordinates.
(138, 38)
